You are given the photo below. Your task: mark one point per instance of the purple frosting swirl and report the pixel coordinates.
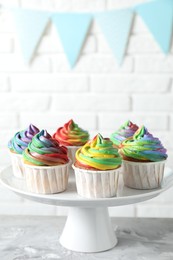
(125, 131)
(21, 139)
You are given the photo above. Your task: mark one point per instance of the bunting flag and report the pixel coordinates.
(116, 27)
(72, 29)
(158, 17)
(30, 26)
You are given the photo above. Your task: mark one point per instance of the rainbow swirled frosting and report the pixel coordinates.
(143, 147)
(21, 139)
(71, 135)
(98, 154)
(45, 151)
(125, 131)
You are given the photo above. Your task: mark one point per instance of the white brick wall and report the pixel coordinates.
(97, 93)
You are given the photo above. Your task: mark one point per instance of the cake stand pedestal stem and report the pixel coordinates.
(88, 230)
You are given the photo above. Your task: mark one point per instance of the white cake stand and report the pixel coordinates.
(88, 227)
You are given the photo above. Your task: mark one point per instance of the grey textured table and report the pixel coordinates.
(36, 238)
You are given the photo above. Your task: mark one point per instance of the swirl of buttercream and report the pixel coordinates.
(125, 131)
(143, 147)
(21, 139)
(71, 135)
(98, 154)
(43, 150)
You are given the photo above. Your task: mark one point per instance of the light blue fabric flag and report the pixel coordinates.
(30, 26)
(116, 27)
(72, 29)
(158, 16)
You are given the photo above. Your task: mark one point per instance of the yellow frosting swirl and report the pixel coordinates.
(98, 153)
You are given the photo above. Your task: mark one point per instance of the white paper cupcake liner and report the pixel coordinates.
(143, 175)
(96, 184)
(72, 153)
(17, 165)
(47, 180)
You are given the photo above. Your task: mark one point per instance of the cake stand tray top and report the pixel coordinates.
(70, 197)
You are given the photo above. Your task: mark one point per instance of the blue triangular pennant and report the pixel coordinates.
(158, 16)
(72, 29)
(116, 27)
(30, 26)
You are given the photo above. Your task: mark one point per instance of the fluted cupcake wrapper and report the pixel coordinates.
(17, 165)
(72, 153)
(47, 180)
(96, 184)
(143, 175)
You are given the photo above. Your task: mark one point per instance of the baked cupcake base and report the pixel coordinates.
(47, 180)
(17, 165)
(143, 175)
(96, 184)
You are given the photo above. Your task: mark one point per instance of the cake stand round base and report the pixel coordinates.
(88, 230)
(88, 227)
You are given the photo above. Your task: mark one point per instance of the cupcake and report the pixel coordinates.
(97, 168)
(71, 136)
(17, 145)
(46, 165)
(143, 160)
(125, 131)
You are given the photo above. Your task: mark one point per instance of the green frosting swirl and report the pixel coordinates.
(143, 147)
(43, 150)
